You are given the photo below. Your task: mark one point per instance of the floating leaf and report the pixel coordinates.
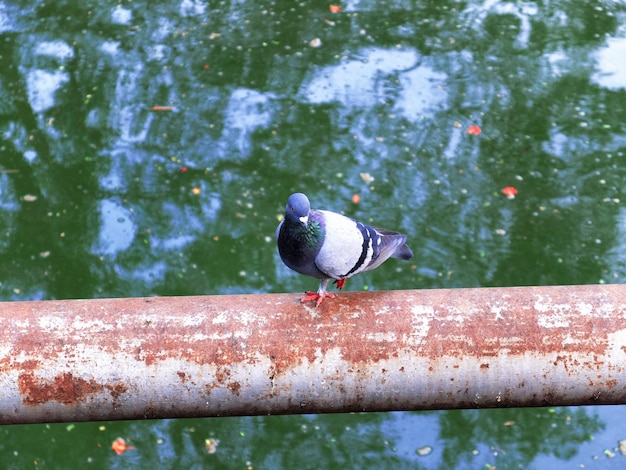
(119, 446)
(211, 445)
(509, 192)
(424, 450)
(366, 177)
(473, 130)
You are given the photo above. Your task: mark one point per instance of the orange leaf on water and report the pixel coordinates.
(119, 446)
(335, 8)
(356, 198)
(473, 130)
(509, 192)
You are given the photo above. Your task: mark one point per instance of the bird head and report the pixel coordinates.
(297, 209)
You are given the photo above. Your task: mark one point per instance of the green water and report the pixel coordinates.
(149, 148)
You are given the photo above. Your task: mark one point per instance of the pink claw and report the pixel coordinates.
(317, 297)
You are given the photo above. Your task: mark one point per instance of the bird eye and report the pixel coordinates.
(291, 208)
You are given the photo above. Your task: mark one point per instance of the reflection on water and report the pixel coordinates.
(148, 150)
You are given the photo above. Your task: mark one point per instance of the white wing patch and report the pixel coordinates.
(343, 247)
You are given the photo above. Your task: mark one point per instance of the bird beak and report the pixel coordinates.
(304, 219)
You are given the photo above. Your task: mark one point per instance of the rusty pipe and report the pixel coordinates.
(109, 359)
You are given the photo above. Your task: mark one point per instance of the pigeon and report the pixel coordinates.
(327, 245)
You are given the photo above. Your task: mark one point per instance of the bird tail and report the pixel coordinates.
(403, 252)
(393, 245)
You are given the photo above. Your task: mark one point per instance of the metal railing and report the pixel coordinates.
(109, 359)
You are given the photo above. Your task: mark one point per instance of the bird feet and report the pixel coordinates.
(317, 297)
(340, 282)
(321, 293)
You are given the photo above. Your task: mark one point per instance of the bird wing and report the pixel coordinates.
(347, 247)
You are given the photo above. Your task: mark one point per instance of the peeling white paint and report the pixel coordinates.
(49, 323)
(552, 315)
(380, 337)
(201, 337)
(617, 346)
(384, 310)
(80, 324)
(246, 317)
(242, 334)
(5, 350)
(220, 318)
(420, 323)
(195, 320)
(498, 308)
(584, 309)
(556, 320)
(607, 310)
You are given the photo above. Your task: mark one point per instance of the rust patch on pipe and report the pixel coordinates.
(117, 389)
(65, 389)
(234, 387)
